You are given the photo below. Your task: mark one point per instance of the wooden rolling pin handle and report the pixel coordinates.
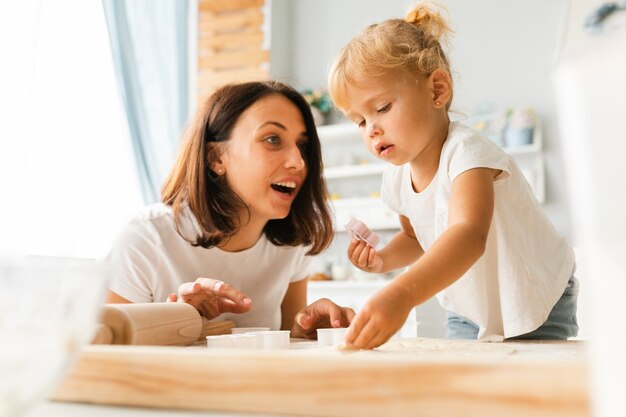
(103, 335)
(164, 324)
(169, 324)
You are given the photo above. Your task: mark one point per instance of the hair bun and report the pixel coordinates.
(426, 16)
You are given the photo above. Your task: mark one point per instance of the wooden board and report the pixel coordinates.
(418, 377)
(230, 44)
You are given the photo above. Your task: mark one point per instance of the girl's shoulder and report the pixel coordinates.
(466, 149)
(460, 134)
(465, 141)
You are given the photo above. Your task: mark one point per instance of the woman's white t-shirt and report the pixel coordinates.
(150, 260)
(513, 287)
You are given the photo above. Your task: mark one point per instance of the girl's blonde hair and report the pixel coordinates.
(413, 44)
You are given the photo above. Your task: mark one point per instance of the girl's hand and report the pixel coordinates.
(212, 297)
(364, 257)
(321, 314)
(380, 318)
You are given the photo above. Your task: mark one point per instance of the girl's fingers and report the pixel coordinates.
(366, 336)
(364, 256)
(357, 253)
(354, 251)
(371, 257)
(351, 247)
(357, 325)
(380, 338)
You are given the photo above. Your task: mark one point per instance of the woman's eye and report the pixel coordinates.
(273, 140)
(361, 123)
(385, 108)
(303, 147)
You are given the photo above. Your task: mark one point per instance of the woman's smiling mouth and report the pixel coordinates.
(287, 188)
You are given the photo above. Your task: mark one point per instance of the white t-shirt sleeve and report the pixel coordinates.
(302, 266)
(474, 151)
(134, 263)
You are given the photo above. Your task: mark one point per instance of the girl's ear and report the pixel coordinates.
(441, 87)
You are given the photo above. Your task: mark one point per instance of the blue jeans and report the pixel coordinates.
(560, 325)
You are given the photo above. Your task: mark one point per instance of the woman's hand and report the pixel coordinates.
(323, 313)
(364, 257)
(212, 297)
(380, 318)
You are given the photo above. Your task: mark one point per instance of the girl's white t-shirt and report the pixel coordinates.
(513, 287)
(150, 260)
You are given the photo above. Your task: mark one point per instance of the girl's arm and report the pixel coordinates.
(402, 250)
(460, 246)
(452, 254)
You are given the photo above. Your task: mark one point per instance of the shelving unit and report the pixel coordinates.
(347, 136)
(372, 211)
(349, 171)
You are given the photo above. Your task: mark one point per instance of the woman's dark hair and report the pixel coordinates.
(214, 205)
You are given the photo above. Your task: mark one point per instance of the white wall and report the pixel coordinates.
(503, 53)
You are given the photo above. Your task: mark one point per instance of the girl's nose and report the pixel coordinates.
(373, 129)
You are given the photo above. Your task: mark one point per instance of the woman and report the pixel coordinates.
(243, 208)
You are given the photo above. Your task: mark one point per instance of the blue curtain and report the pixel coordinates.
(149, 42)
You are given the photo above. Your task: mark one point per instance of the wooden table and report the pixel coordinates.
(406, 377)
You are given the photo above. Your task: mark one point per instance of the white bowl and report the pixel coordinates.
(331, 337)
(273, 339)
(240, 330)
(233, 341)
(48, 310)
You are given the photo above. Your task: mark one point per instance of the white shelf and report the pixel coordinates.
(371, 211)
(374, 283)
(529, 157)
(523, 150)
(350, 131)
(338, 132)
(349, 171)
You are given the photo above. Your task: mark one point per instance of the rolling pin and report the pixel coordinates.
(165, 324)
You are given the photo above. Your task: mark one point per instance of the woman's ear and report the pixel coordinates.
(214, 161)
(441, 87)
(218, 168)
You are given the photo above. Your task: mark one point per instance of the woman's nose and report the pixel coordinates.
(295, 158)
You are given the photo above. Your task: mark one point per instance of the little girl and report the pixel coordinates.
(472, 232)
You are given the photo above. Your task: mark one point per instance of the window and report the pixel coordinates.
(67, 176)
